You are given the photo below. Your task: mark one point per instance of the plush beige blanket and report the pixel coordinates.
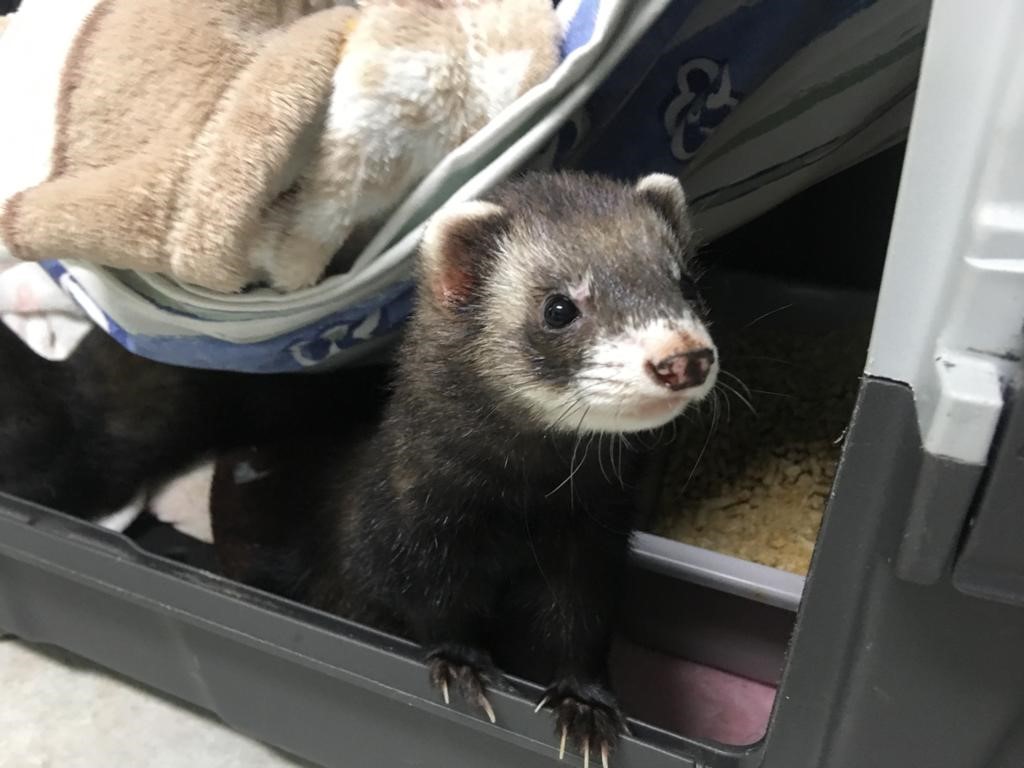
(227, 142)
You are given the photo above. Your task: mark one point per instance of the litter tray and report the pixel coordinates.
(700, 654)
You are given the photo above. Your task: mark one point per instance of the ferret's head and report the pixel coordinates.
(571, 298)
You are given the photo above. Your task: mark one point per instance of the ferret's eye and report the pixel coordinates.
(559, 312)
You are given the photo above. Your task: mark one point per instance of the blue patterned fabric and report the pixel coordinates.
(688, 77)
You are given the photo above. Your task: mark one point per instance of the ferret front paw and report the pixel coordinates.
(586, 714)
(465, 669)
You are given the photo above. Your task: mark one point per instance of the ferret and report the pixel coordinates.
(103, 431)
(486, 517)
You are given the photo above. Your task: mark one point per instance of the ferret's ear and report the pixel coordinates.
(456, 246)
(665, 194)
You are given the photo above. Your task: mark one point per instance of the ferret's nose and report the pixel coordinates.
(683, 370)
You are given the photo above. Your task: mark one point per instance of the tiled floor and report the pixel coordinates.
(58, 711)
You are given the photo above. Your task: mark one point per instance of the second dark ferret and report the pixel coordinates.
(489, 516)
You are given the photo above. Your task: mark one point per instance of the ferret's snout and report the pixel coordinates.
(683, 370)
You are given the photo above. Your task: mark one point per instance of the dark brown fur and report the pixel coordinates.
(456, 523)
(88, 435)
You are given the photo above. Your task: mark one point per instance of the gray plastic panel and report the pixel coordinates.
(322, 688)
(955, 245)
(721, 572)
(992, 563)
(882, 672)
(938, 512)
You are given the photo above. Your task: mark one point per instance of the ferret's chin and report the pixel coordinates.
(639, 417)
(643, 412)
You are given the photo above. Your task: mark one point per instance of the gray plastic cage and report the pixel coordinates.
(903, 648)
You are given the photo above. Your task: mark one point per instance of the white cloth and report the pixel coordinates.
(35, 308)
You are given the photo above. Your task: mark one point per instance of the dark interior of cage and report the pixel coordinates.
(747, 476)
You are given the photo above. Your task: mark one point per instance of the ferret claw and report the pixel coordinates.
(589, 716)
(540, 705)
(486, 705)
(467, 672)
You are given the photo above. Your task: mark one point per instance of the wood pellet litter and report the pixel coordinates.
(757, 487)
